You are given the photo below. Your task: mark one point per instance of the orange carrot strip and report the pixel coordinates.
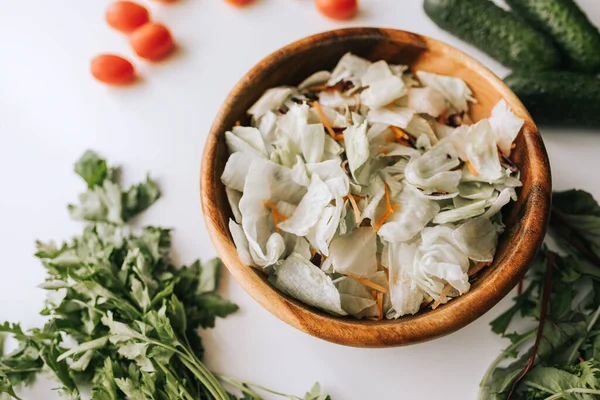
(477, 267)
(442, 297)
(344, 166)
(237, 123)
(383, 151)
(443, 117)
(374, 294)
(471, 169)
(399, 133)
(354, 207)
(368, 283)
(274, 210)
(380, 304)
(318, 88)
(385, 216)
(324, 119)
(428, 299)
(386, 193)
(339, 136)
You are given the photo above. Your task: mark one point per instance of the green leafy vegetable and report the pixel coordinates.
(562, 298)
(133, 316)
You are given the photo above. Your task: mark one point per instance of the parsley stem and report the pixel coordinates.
(211, 377)
(503, 355)
(562, 394)
(196, 367)
(542, 319)
(240, 385)
(167, 372)
(580, 341)
(216, 390)
(244, 386)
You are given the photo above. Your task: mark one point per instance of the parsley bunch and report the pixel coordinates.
(121, 316)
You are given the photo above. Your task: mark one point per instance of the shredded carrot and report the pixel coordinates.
(237, 123)
(443, 117)
(374, 294)
(277, 216)
(313, 252)
(339, 136)
(385, 216)
(324, 119)
(390, 209)
(344, 166)
(368, 283)
(477, 267)
(471, 169)
(380, 304)
(274, 210)
(428, 299)
(354, 206)
(383, 151)
(442, 297)
(399, 133)
(386, 194)
(318, 88)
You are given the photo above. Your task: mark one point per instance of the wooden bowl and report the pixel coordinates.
(525, 220)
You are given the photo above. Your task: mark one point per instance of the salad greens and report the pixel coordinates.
(121, 317)
(561, 307)
(371, 174)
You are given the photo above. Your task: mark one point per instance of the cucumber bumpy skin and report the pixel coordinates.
(570, 28)
(558, 98)
(497, 32)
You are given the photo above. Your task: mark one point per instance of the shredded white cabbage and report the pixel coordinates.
(367, 191)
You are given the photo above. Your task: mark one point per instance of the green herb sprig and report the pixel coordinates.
(561, 305)
(133, 316)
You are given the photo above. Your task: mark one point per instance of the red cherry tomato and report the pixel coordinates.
(338, 9)
(126, 16)
(152, 41)
(112, 69)
(239, 3)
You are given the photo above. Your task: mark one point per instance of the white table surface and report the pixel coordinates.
(51, 110)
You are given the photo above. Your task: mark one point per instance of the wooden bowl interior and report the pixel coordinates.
(525, 219)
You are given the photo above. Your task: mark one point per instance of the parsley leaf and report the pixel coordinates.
(563, 299)
(132, 315)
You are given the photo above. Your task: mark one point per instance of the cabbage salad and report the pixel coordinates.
(367, 191)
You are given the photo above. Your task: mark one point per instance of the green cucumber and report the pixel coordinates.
(497, 32)
(558, 97)
(570, 28)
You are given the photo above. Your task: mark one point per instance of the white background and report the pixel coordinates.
(51, 110)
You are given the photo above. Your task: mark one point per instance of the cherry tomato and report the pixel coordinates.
(239, 3)
(112, 69)
(152, 41)
(338, 9)
(126, 16)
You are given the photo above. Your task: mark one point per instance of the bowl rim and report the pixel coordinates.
(408, 329)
